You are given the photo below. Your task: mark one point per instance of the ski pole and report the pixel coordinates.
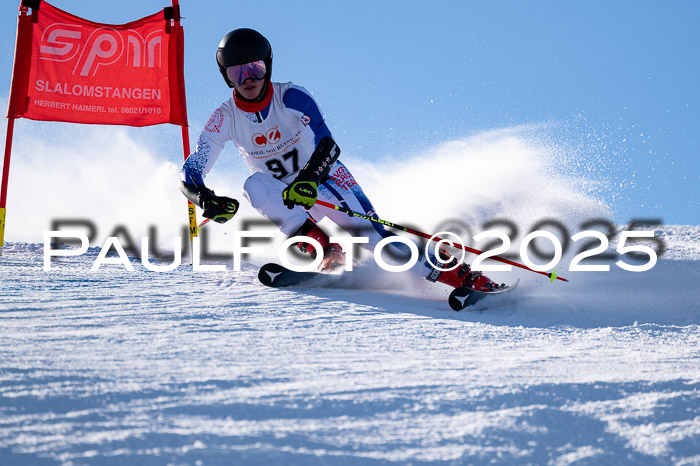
(204, 222)
(551, 275)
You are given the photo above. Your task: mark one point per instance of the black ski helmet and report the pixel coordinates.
(243, 46)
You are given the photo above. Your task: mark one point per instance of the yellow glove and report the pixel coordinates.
(300, 192)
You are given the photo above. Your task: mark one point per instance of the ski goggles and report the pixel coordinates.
(237, 74)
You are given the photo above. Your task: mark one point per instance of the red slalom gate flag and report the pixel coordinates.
(74, 70)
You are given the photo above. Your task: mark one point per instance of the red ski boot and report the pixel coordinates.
(333, 255)
(460, 276)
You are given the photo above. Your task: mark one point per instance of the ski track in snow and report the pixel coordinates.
(118, 367)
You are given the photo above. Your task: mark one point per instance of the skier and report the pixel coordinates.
(282, 136)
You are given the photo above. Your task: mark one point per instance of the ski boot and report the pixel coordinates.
(461, 276)
(333, 255)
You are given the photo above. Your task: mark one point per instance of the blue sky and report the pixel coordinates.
(398, 76)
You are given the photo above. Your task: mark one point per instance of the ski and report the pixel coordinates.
(461, 298)
(278, 276)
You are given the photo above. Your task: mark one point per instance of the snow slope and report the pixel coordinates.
(118, 367)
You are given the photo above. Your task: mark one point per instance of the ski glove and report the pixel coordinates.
(300, 192)
(221, 209)
(303, 190)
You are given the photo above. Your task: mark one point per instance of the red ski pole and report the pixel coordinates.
(206, 220)
(551, 276)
